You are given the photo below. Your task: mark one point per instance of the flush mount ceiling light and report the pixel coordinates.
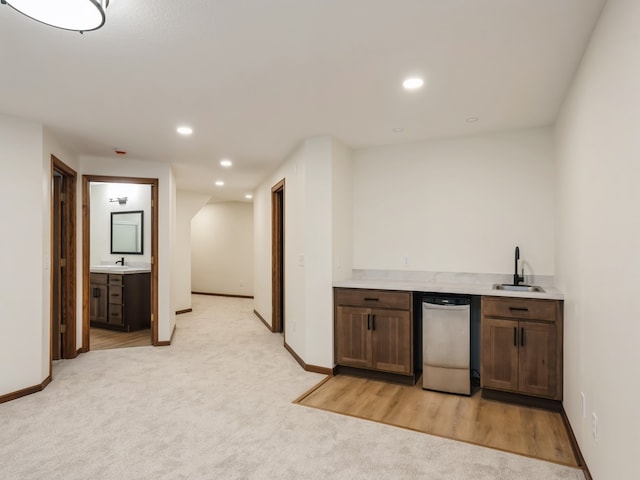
(413, 83)
(219, 183)
(248, 196)
(184, 130)
(77, 15)
(225, 162)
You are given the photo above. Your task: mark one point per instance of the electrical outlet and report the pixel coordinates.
(594, 425)
(584, 405)
(405, 260)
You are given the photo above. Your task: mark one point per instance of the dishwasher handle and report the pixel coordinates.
(435, 306)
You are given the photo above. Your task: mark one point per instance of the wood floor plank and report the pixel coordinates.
(513, 428)
(103, 339)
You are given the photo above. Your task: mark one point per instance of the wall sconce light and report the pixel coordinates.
(120, 200)
(77, 15)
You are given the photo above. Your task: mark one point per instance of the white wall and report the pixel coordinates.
(138, 198)
(342, 205)
(317, 233)
(24, 324)
(292, 171)
(222, 249)
(166, 224)
(598, 242)
(456, 205)
(187, 205)
(317, 251)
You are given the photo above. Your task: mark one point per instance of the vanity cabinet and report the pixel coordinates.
(121, 301)
(374, 331)
(521, 346)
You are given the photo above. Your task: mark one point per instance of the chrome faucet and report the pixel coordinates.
(121, 261)
(516, 278)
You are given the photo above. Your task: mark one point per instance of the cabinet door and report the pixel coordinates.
(98, 306)
(537, 359)
(499, 364)
(353, 337)
(391, 340)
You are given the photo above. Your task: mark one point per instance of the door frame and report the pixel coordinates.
(86, 260)
(277, 257)
(69, 252)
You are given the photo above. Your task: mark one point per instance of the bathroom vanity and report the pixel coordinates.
(121, 300)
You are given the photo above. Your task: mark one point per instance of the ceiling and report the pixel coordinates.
(254, 78)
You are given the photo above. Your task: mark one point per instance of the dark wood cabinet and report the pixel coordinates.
(121, 301)
(374, 330)
(521, 346)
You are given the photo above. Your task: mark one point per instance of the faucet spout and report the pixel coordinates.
(121, 261)
(517, 278)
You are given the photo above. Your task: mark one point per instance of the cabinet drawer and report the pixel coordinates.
(521, 308)
(115, 295)
(99, 278)
(373, 298)
(115, 315)
(115, 279)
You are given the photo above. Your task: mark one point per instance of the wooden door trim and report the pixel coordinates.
(69, 286)
(277, 263)
(86, 241)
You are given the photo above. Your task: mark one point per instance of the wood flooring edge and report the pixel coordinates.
(311, 390)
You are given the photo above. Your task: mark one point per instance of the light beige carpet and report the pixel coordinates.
(217, 404)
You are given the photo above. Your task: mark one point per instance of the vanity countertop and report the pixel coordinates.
(464, 286)
(119, 269)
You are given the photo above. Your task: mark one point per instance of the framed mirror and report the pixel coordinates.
(127, 232)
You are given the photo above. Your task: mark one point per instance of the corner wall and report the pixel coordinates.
(24, 309)
(317, 177)
(598, 243)
(187, 205)
(222, 249)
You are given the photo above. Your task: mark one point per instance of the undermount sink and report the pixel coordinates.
(517, 288)
(109, 267)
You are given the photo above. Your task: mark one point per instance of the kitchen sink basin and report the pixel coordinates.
(517, 288)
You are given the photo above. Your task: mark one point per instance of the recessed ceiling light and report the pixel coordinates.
(398, 130)
(225, 162)
(413, 83)
(219, 183)
(184, 130)
(248, 196)
(472, 119)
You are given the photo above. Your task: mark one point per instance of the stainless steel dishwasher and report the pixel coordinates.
(446, 343)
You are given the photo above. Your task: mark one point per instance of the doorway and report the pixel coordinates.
(63, 262)
(277, 257)
(143, 296)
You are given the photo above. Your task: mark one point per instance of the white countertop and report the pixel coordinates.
(119, 269)
(461, 287)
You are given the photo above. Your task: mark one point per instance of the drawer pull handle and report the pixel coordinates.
(369, 299)
(515, 336)
(373, 322)
(368, 321)
(518, 309)
(522, 337)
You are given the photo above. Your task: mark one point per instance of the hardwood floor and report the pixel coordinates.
(524, 430)
(103, 339)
